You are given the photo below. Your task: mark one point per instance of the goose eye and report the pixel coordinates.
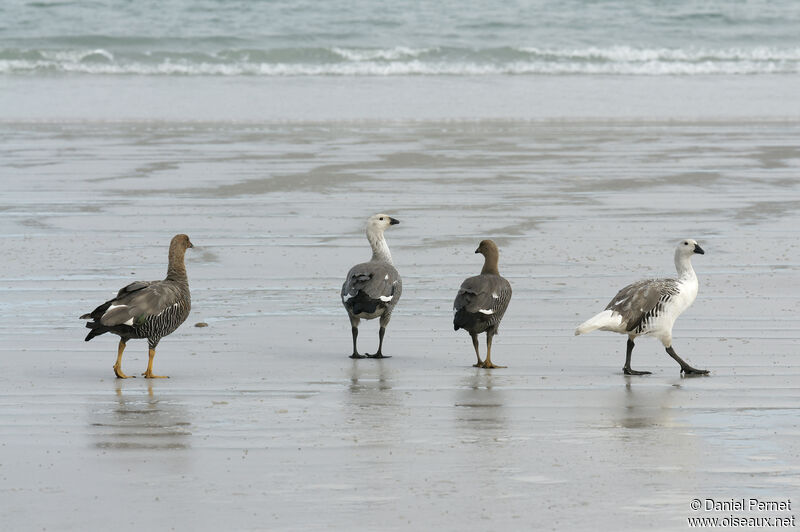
(381, 219)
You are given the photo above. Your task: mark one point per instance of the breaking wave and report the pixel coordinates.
(342, 61)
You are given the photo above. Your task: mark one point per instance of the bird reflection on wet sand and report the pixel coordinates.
(372, 406)
(647, 408)
(369, 380)
(479, 406)
(139, 419)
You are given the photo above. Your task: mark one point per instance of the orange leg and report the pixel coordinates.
(118, 363)
(149, 373)
(488, 362)
(477, 354)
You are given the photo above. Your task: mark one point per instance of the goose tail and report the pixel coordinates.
(608, 319)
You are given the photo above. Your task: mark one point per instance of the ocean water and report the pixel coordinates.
(390, 38)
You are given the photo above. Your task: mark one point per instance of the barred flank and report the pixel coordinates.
(647, 317)
(499, 307)
(154, 328)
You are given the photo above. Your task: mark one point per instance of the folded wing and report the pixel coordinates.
(481, 302)
(371, 286)
(640, 302)
(135, 303)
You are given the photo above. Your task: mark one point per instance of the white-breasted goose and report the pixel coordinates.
(650, 307)
(372, 289)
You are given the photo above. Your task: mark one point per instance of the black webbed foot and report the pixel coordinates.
(629, 371)
(689, 370)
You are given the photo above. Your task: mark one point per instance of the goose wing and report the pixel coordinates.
(487, 294)
(136, 302)
(637, 303)
(378, 281)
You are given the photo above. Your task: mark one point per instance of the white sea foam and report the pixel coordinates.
(390, 54)
(627, 54)
(397, 61)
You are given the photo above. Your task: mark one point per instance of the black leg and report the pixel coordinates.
(685, 368)
(477, 353)
(355, 349)
(627, 369)
(379, 354)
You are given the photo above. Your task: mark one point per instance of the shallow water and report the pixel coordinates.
(265, 422)
(381, 38)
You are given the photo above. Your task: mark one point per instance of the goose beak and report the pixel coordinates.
(393, 221)
(698, 249)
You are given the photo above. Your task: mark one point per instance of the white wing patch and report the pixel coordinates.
(386, 277)
(112, 307)
(495, 296)
(484, 311)
(346, 297)
(386, 299)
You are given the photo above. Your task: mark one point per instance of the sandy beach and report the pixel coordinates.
(265, 424)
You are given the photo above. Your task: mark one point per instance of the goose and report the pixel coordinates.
(650, 307)
(482, 301)
(372, 289)
(146, 309)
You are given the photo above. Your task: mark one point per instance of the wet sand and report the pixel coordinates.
(333, 98)
(265, 424)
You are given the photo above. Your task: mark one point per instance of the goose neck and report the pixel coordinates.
(683, 264)
(380, 249)
(490, 264)
(176, 270)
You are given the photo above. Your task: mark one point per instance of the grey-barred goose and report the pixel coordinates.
(650, 307)
(372, 289)
(146, 309)
(482, 301)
